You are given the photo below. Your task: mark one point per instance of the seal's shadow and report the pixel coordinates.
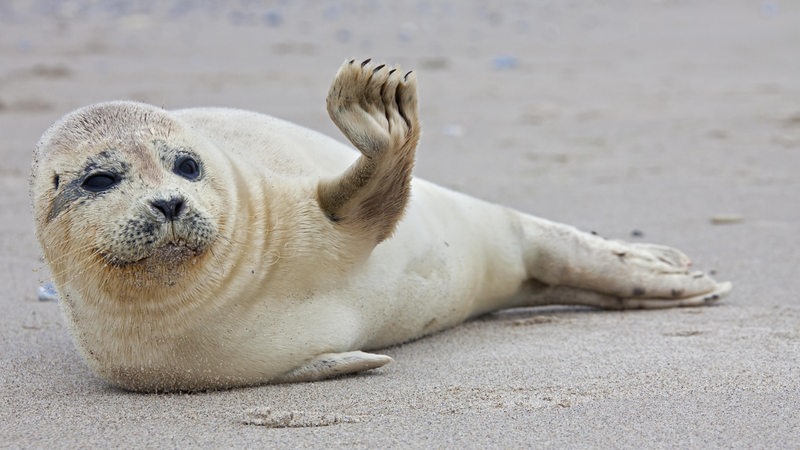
(536, 314)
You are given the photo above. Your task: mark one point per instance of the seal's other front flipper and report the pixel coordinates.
(329, 365)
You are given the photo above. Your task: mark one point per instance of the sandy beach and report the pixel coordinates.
(662, 121)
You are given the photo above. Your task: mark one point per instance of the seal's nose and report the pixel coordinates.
(170, 208)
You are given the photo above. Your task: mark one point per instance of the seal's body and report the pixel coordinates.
(211, 248)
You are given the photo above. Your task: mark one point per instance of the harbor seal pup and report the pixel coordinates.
(212, 248)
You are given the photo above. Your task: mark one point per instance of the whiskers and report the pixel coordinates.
(71, 264)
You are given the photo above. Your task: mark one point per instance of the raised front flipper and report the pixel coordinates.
(329, 365)
(376, 109)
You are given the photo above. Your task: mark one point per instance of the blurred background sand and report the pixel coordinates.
(675, 120)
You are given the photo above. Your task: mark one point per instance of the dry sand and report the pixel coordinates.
(678, 120)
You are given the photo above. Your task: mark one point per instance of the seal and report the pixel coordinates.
(211, 248)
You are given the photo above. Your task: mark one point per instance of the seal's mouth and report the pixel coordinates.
(171, 253)
(157, 244)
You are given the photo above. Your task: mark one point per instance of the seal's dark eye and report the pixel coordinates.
(187, 167)
(100, 182)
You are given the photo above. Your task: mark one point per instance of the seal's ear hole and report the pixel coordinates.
(56, 181)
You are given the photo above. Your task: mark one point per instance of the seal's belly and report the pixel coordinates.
(439, 268)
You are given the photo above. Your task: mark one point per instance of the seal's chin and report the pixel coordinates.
(168, 254)
(173, 253)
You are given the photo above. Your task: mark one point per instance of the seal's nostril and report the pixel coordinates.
(171, 209)
(178, 209)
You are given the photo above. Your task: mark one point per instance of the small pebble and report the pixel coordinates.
(272, 18)
(343, 35)
(504, 62)
(726, 219)
(769, 9)
(407, 32)
(47, 293)
(333, 11)
(453, 130)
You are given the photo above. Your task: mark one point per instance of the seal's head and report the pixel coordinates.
(125, 196)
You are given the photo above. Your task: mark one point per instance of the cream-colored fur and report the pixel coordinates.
(285, 254)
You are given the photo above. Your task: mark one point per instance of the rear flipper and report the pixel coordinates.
(329, 365)
(563, 262)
